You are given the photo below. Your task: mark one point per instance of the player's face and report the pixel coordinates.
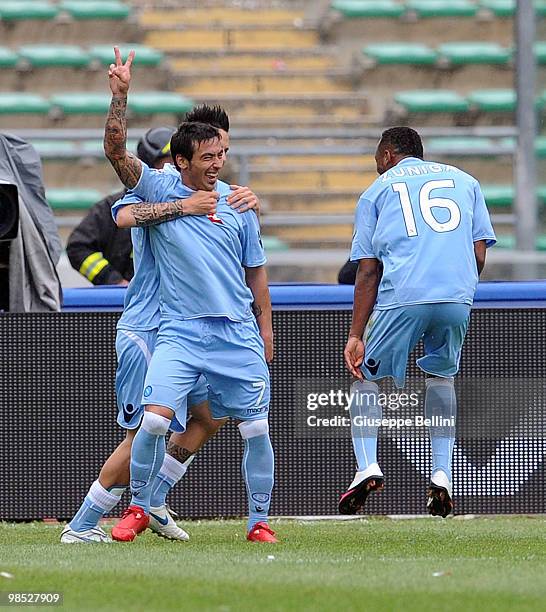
(207, 161)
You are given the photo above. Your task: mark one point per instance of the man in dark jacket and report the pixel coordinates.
(97, 247)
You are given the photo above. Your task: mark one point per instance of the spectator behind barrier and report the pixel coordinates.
(98, 248)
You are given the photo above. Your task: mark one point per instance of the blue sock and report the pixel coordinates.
(170, 473)
(96, 504)
(441, 407)
(258, 469)
(364, 408)
(147, 454)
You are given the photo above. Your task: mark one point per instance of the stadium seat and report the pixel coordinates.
(8, 58)
(273, 244)
(75, 103)
(498, 196)
(540, 52)
(432, 101)
(22, 10)
(401, 53)
(72, 199)
(41, 56)
(55, 149)
(351, 9)
(505, 241)
(23, 103)
(462, 53)
(95, 9)
(493, 100)
(500, 8)
(148, 103)
(459, 145)
(145, 56)
(441, 8)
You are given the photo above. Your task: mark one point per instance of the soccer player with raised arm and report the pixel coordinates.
(215, 311)
(421, 233)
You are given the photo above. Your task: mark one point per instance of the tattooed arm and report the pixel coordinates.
(256, 279)
(127, 166)
(142, 214)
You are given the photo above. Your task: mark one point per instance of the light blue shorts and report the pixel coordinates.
(134, 351)
(231, 357)
(392, 334)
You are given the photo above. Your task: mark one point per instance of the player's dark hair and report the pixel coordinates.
(212, 115)
(188, 137)
(403, 140)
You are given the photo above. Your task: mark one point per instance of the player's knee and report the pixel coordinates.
(252, 429)
(201, 414)
(155, 424)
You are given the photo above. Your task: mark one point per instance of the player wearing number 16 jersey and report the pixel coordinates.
(421, 233)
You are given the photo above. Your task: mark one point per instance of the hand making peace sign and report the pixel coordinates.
(119, 74)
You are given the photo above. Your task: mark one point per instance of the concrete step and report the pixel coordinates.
(276, 62)
(297, 181)
(220, 16)
(258, 84)
(243, 39)
(284, 110)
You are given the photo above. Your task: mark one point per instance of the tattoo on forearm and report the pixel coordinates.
(178, 453)
(151, 214)
(126, 165)
(256, 309)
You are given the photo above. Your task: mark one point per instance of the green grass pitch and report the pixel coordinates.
(496, 563)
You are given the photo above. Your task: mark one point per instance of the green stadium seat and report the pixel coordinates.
(432, 101)
(507, 8)
(368, 9)
(441, 8)
(95, 9)
(55, 149)
(506, 241)
(42, 56)
(500, 8)
(540, 52)
(273, 244)
(22, 10)
(72, 199)
(145, 56)
(401, 53)
(8, 58)
(23, 103)
(498, 196)
(76, 103)
(95, 148)
(493, 100)
(462, 53)
(540, 147)
(460, 145)
(151, 102)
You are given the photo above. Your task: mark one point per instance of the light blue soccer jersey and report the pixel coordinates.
(421, 219)
(200, 259)
(141, 305)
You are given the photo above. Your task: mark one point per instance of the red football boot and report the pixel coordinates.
(133, 521)
(261, 532)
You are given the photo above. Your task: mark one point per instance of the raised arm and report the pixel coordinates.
(256, 279)
(142, 214)
(127, 166)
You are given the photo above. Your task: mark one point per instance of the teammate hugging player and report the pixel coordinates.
(421, 233)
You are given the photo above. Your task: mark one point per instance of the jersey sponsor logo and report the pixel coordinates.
(215, 218)
(128, 412)
(372, 366)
